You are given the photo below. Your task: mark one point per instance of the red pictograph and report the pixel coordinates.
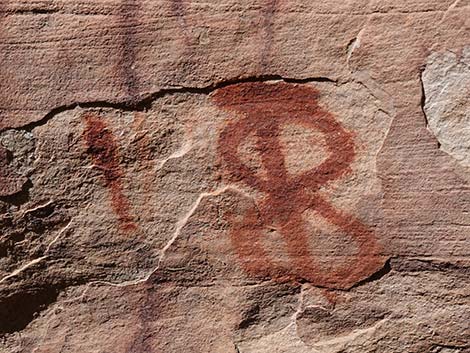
(102, 147)
(262, 109)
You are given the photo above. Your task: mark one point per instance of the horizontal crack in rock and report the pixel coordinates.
(145, 103)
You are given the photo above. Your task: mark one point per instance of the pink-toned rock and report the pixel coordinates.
(246, 176)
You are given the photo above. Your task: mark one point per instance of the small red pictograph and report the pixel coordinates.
(103, 150)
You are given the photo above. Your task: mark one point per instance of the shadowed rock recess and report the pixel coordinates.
(245, 176)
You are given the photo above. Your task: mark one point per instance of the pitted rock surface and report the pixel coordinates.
(241, 176)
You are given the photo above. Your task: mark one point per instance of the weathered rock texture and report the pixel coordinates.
(238, 176)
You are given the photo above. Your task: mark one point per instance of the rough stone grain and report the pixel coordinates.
(445, 82)
(240, 176)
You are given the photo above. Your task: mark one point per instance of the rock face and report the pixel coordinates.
(239, 176)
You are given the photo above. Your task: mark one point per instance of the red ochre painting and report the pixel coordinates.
(263, 109)
(102, 148)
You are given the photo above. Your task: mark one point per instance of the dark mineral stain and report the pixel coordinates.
(179, 9)
(141, 343)
(263, 109)
(19, 309)
(10, 182)
(128, 24)
(269, 12)
(19, 306)
(102, 148)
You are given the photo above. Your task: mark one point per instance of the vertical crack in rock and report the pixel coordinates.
(355, 43)
(102, 148)
(352, 45)
(423, 96)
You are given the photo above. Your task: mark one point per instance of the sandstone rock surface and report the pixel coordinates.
(240, 176)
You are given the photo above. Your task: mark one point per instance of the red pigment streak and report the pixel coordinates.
(263, 109)
(102, 148)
